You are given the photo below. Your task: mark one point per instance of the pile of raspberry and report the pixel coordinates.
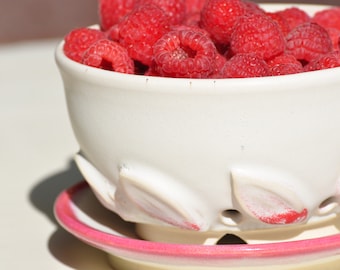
(206, 39)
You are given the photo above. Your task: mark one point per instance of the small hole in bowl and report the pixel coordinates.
(328, 206)
(231, 217)
(230, 239)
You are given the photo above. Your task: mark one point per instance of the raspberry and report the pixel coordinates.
(244, 66)
(219, 16)
(282, 22)
(220, 62)
(284, 59)
(113, 32)
(294, 16)
(111, 11)
(139, 30)
(182, 27)
(284, 64)
(175, 9)
(308, 41)
(329, 60)
(334, 34)
(184, 53)
(192, 19)
(257, 33)
(107, 54)
(328, 18)
(194, 6)
(253, 7)
(78, 40)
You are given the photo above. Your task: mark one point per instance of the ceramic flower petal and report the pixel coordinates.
(265, 199)
(101, 186)
(163, 198)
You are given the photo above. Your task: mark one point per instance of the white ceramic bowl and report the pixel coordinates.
(208, 155)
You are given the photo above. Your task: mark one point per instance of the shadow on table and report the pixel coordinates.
(62, 245)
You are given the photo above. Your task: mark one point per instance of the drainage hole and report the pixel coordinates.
(231, 217)
(328, 206)
(231, 239)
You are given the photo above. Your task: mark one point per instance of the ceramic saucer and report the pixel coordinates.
(80, 213)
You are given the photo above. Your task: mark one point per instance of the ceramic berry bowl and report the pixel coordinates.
(194, 161)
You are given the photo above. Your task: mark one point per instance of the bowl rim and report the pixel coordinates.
(187, 85)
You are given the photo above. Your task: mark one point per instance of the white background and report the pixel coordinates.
(36, 163)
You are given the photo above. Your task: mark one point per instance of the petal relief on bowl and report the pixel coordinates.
(101, 186)
(265, 199)
(163, 198)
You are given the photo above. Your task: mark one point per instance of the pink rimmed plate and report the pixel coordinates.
(79, 212)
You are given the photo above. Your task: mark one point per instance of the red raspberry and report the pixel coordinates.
(111, 11)
(308, 41)
(283, 23)
(107, 54)
(329, 60)
(294, 16)
(78, 40)
(194, 6)
(257, 33)
(328, 18)
(181, 27)
(253, 7)
(218, 17)
(245, 66)
(220, 62)
(186, 53)
(284, 64)
(334, 34)
(139, 30)
(192, 19)
(113, 32)
(175, 9)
